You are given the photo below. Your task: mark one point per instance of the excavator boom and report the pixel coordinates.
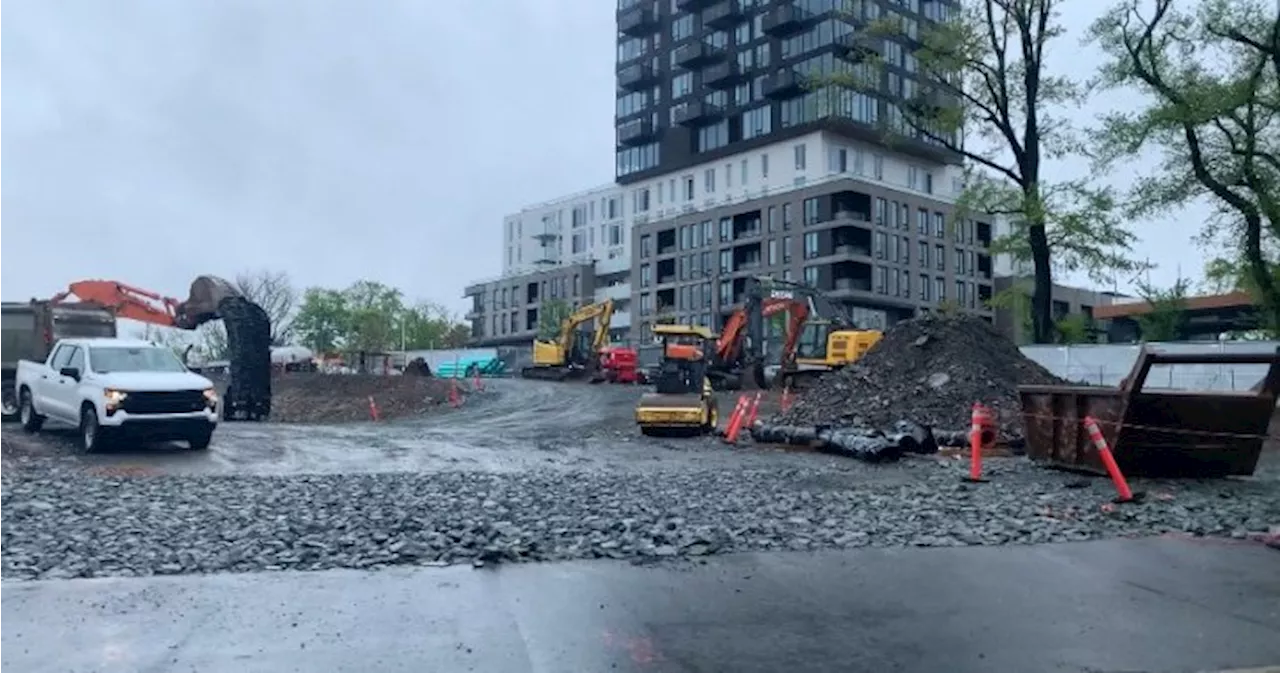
(559, 359)
(135, 303)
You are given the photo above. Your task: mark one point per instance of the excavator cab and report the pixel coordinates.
(683, 401)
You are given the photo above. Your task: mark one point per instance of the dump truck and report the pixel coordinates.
(30, 329)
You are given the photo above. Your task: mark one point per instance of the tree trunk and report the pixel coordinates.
(1260, 274)
(1042, 294)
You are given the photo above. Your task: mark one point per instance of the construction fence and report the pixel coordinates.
(1107, 364)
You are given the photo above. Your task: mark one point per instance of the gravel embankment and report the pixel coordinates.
(64, 524)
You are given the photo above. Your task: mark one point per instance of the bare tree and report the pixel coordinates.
(275, 293)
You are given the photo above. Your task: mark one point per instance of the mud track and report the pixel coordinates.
(514, 425)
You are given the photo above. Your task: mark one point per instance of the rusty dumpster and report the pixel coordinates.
(1155, 432)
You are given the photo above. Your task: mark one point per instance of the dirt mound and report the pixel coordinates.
(312, 397)
(929, 370)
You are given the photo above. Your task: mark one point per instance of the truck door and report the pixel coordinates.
(56, 389)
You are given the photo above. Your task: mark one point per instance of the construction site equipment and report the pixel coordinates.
(573, 354)
(683, 401)
(1155, 432)
(30, 329)
(248, 327)
(818, 337)
(619, 364)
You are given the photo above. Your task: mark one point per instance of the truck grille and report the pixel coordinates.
(166, 402)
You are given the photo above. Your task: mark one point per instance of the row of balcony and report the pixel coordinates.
(781, 21)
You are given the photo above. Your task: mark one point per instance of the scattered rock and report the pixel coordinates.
(929, 370)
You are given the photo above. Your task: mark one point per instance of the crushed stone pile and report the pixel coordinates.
(313, 397)
(929, 370)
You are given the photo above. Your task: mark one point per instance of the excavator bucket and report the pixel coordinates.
(201, 306)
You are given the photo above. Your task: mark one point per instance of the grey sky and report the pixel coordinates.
(150, 141)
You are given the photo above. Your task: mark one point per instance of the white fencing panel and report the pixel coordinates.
(1106, 364)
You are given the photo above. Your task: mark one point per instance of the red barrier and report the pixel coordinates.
(373, 409)
(1123, 494)
(455, 399)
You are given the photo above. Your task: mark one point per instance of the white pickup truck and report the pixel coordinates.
(117, 387)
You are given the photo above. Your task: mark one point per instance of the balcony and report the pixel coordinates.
(858, 47)
(696, 113)
(692, 5)
(723, 14)
(635, 132)
(722, 75)
(618, 292)
(784, 21)
(930, 102)
(783, 84)
(635, 77)
(696, 54)
(638, 21)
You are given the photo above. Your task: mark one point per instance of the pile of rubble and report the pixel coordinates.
(928, 370)
(305, 397)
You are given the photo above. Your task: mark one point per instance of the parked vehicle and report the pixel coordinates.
(111, 388)
(29, 330)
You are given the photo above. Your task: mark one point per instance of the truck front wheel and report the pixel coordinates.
(200, 439)
(31, 421)
(91, 435)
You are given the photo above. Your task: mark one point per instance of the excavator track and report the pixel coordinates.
(249, 349)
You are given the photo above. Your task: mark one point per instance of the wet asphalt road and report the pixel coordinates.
(514, 425)
(1153, 606)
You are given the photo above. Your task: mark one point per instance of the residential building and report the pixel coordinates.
(700, 80)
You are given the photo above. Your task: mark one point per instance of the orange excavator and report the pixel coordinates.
(248, 396)
(739, 356)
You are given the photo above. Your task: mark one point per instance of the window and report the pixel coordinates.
(837, 160)
(646, 275)
(773, 252)
(810, 211)
(877, 166)
(928, 183)
(881, 244)
(922, 222)
(924, 254)
(960, 263)
(800, 156)
(728, 175)
(688, 188)
(786, 249)
(913, 177)
(682, 268)
(940, 289)
(646, 249)
(706, 232)
(681, 85)
(811, 245)
(892, 222)
(693, 236)
(709, 181)
(705, 265)
(881, 205)
(939, 225)
(726, 229)
(904, 218)
(904, 249)
(764, 165)
(940, 257)
(742, 179)
(882, 280)
(811, 276)
(786, 216)
(771, 221)
(686, 237)
(961, 297)
(615, 234)
(757, 122)
(639, 202)
(726, 293)
(923, 287)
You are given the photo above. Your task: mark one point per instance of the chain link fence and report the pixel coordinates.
(1107, 364)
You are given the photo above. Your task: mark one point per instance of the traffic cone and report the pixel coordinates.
(1123, 493)
(455, 399)
(735, 420)
(981, 435)
(373, 409)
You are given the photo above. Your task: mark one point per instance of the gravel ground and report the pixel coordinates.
(62, 523)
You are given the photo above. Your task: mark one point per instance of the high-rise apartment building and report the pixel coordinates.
(699, 80)
(736, 158)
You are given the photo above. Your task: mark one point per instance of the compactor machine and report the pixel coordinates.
(683, 401)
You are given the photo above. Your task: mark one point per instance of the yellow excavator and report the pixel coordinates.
(574, 353)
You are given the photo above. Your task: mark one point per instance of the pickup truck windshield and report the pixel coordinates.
(106, 359)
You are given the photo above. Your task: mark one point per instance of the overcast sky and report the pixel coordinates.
(150, 141)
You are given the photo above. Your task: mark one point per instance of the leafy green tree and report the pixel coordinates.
(1209, 73)
(551, 315)
(373, 312)
(1167, 319)
(457, 336)
(323, 320)
(982, 72)
(428, 325)
(1075, 328)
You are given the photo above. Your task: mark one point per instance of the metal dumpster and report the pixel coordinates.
(1155, 433)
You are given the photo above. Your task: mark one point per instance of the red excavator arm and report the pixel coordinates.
(135, 303)
(729, 345)
(125, 301)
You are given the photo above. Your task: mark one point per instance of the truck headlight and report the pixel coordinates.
(113, 397)
(210, 397)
